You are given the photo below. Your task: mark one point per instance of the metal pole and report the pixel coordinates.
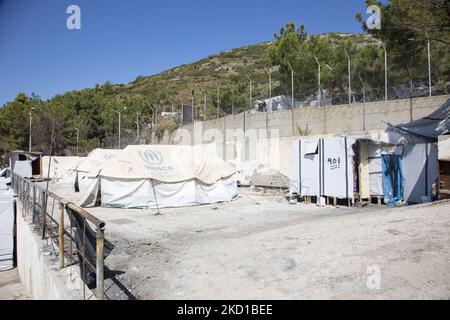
(232, 103)
(61, 236)
(429, 62)
(270, 86)
(364, 102)
(120, 124)
(193, 103)
(29, 139)
(385, 72)
(250, 91)
(78, 138)
(318, 83)
(204, 105)
(100, 268)
(137, 125)
(292, 99)
(349, 77)
(218, 101)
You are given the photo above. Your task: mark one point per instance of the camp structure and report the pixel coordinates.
(62, 169)
(86, 180)
(26, 164)
(160, 176)
(323, 168)
(364, 168)
(399, 165)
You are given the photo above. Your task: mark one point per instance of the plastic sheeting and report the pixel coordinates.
(421, 169)
(6, 233)
(429, 127)
(23, 168)
(392, 179)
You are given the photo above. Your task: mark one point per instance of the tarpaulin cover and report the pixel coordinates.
(392, 179)
(23, 168)
(429, 127)
(421, 170)
(6, 233)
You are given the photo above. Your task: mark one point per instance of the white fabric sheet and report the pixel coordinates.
(6, 233)
(131, 193)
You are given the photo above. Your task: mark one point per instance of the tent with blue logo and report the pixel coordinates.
(159, 176)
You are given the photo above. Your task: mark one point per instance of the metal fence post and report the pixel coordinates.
(61, 236)
(99, 290)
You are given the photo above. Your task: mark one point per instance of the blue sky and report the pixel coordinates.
(120, 40)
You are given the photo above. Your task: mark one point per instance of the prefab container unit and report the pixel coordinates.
(323, 167)
(26, 164)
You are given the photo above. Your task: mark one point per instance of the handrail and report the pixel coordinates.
(18, 183)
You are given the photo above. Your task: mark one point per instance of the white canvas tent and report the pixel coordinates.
(62, 169)
(150, 176)
(86, 180)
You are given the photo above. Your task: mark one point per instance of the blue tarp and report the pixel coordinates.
(392, 179)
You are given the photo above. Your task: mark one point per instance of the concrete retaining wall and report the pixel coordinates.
(38, 269)
(338, 119)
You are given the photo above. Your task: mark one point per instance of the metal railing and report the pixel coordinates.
(38, 206)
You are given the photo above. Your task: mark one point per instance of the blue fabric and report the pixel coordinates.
(392, 179)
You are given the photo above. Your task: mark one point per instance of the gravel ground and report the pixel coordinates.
(261, 247)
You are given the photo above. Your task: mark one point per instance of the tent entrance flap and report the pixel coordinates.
(392, 179)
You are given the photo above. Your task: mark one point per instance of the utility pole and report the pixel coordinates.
(250, 91)
(292, 99)
(429, 62)
(318, 82)
(78, 138)
(232, 101)
(270, 86)
(31, 120)
(349, 62)
(119, 112)
(292, 85)
(193, 106)
(364, 102)
(385, 72)
(137, 125)
(204, 104)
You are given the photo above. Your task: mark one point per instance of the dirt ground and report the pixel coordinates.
(262, 247)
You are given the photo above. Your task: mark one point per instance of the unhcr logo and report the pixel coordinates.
(151, 157)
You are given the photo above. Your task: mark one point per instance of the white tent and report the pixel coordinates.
(150, 176)
(86, 180)
(62, 169)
